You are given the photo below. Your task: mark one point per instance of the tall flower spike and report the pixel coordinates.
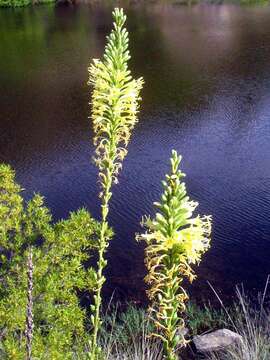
(115, 102)
(174, 241)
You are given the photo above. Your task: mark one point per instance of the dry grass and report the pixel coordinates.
(253, 324)
(128, 338)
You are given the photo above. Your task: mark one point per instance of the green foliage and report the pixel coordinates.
(21, 3)
(14, 3)
(125, 335)
(204, 318)
(115, 101)
(254, 2)
(59, 252)
(123, 328)
(175, 240)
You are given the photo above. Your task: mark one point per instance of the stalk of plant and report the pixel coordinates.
(115, 101)
(29, 313)
(174, 241)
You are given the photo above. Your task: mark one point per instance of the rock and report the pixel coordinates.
(216, 340)
(183, 332)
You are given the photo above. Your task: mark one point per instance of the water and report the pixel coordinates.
(207, 94)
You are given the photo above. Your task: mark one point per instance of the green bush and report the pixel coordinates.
(21, 3)
(59, 252)
(14, 3)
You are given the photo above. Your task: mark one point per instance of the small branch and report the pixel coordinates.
(29, 312)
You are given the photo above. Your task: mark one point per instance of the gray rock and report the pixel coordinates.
(216, 340)
(184, 331)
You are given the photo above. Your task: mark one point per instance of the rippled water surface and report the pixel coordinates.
(207, 94)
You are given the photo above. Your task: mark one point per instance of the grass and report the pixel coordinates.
(126, 326)
(125, 334)
(252, 322)
(201, 319)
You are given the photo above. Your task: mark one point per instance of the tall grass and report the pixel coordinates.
(143, 349)
(252, 322)
(125, 336)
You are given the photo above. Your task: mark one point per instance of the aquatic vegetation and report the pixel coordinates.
(41, 271)
(175, 241)
(115, 101)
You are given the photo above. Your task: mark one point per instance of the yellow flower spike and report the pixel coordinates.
(174, 241)
(115, 103)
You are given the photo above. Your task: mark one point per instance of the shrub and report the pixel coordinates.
(58, 254)
(22, 3)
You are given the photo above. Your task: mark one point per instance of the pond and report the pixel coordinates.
(206, 94)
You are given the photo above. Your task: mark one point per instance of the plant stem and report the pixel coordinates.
(29, 313)
(103, 244)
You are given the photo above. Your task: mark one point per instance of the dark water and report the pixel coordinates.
(207, 94)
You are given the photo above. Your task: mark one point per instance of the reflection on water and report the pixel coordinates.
(207, 94)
